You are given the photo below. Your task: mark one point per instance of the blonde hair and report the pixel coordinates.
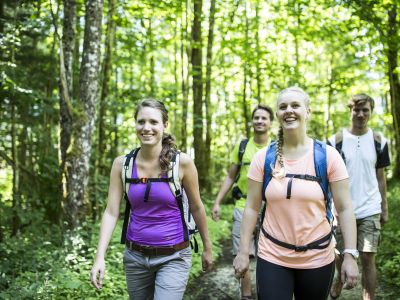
(296, 89)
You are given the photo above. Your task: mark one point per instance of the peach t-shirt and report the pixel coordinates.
(301, 219)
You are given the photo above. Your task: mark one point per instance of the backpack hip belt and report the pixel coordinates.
(321, 243)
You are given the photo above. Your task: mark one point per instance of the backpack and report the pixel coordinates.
(189, 226)
(236, 192)
(339, 144)
(321, 177)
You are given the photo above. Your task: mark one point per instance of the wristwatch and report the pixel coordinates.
(352, 252)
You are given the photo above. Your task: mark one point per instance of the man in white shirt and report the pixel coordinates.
(366, 155)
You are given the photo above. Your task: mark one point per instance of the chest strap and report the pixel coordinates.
(325, 241)
(148, 182)
(298, 176)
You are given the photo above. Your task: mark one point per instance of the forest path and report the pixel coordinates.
(220, 284)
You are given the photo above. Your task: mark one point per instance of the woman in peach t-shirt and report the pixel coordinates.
(299, 220)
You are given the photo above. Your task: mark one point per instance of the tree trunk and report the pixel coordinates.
(331, 89)
(66, 85)
(176, 125)
(77, 54)
(153, 87)
(78, 158)
(258, 54)
(245, 76)
(15, 171)
(209, 110)
(198, 142)
(297, 12)
(185, 79)
(2, 16)
(394, 83)
(100, 168)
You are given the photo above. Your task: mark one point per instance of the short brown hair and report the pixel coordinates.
(263, 107)
(361, 99)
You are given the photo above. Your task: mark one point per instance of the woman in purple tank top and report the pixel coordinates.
(157, 259)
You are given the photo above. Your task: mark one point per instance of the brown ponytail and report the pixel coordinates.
(168, 149)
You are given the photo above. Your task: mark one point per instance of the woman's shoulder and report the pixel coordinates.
(332, 153)
(185, 159)
(118, 161)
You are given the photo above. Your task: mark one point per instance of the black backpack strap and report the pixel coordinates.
(148, 182)
(129, 160)
(298, 176)
(378, 145)
(339, 143)
(242, 149)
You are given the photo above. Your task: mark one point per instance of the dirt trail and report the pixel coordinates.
(220, 284)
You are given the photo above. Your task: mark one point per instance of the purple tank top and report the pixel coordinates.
(156, 222)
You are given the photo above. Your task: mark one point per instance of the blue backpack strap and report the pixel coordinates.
(270, 158)
(321, 171)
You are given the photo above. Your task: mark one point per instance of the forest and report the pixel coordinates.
(72, 71)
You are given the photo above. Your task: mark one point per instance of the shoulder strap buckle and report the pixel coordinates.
(143, 180)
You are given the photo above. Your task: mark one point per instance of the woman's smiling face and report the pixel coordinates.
(150, 126)
(292, 109)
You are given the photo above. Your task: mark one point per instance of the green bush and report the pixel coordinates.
(37, 265)
(388, 258)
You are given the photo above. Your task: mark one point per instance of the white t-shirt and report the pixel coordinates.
(361, 162)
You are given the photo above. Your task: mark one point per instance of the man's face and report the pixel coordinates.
(360, 115)
(261, 121)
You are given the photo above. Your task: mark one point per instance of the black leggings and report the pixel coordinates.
(275, 282)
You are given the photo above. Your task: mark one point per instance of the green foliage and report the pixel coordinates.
(37, 265)
(218, 231)
(388, 259)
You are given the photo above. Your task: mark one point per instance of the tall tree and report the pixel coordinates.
(100, 157)
(258, 52)
(246, 71)
(208, 104)
(198, 142)
(16, 195)
(185, 71)
(77, 162)
(66, 82)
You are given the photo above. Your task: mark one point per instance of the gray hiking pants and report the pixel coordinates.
(157, 277)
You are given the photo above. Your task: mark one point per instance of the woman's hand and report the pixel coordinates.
(241, 265)
(349, 273)
(98, 269)
(207, 260)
